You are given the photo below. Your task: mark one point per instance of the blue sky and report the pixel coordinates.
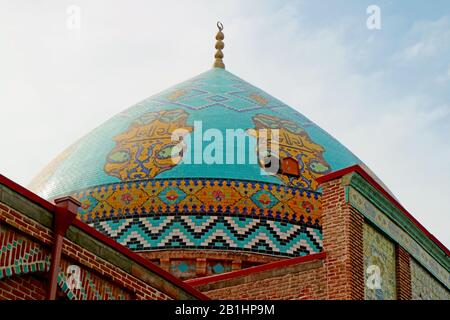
(385, 94)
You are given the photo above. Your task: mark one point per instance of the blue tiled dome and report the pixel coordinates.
(220, 100)
(130, 189)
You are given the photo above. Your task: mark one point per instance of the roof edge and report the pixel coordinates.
(104, 239)
(264, 267)
(358, 169)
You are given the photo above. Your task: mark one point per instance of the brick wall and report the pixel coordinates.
(342, 228)
(107, 272)
(29, 287)
(201, 262)
(302, 281)
(403, 273)
(25, 227)
(128, 283)
(340, 276)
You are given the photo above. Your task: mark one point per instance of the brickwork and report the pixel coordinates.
(340, 276)
(336, 273)
(23, 287)
(343, 243)
(356, 254)
(78, 256)
(403, 273)
(305, 281)
(187, 264)
(112, 275)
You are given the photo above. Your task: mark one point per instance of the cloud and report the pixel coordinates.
(429, 39)
(382, 95)
(444, 77)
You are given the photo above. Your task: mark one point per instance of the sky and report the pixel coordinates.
(384, 93)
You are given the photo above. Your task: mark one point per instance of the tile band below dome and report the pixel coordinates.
(213, 232)
(199, 196)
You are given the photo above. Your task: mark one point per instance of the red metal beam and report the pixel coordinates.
(104, 239)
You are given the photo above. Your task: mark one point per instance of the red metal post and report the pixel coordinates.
(65, 214)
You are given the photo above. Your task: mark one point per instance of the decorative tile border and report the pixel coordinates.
(91, 286)
(424, 286)
(213, 232)
(377, 217)
(399, 217)
(19, 255)
(199, 196)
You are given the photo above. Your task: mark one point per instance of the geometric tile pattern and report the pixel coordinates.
(391, 229)
(91, 286)
(424, 286)
(259, 235)
(19, 255)
(220, 100)
(147, 148)
(199, 196)
(184, 269)
(379, 252)
(218, 267)
(122, 170)
(237, 96)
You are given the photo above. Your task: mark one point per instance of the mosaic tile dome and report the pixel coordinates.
(131, 191)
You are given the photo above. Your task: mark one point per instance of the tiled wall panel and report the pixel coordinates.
(424, 286)
(379, 254)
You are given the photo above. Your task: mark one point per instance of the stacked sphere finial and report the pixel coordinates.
(218, 63)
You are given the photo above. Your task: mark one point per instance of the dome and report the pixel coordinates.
(112, 154)
(131, 191)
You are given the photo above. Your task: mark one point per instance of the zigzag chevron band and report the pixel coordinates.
(214, 232)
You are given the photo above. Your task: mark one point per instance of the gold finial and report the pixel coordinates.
(218, 63)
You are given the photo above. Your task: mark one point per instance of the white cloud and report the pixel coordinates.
(444, 77)
(56, 84)
(430, 39)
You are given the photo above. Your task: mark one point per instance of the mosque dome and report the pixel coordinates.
(133, 145)
(132, 189)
